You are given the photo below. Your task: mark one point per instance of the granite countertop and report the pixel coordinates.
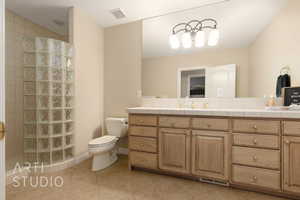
(217, 112)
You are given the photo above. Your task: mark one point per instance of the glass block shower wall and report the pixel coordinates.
(48, 101)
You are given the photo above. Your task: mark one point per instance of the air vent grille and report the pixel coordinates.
(118, 13)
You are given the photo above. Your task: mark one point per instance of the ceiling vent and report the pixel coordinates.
(118, 13)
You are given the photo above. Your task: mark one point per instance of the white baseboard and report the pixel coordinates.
(123, 151)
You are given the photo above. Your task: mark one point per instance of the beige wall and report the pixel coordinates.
(87, 38)
(159, 75)
(122, 81)
(16, 28)
(278, 45)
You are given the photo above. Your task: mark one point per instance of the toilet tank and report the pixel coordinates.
(116, 126)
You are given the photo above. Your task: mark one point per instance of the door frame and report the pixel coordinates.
(2, 98)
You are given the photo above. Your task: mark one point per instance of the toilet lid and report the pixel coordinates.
(102, 140)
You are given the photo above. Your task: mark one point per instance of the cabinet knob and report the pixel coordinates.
(255, 127)
(287, 142)
(254, 158)
(255, 141)
(254, 179)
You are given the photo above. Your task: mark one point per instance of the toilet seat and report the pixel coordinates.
(106, 140)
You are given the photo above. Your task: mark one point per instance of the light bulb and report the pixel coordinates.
(213, 38)
(200, 39)
(174, 41)
(186, 40)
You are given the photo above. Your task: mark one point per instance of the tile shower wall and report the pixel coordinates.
(16, 28)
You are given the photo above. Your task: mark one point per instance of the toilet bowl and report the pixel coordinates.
(104, 149)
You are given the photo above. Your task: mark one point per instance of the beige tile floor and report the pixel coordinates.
(118, 183)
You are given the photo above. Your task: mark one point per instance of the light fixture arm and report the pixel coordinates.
(194, 26)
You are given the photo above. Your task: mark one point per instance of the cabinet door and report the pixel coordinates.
(291, 166)
(210, 154)
(174, 150)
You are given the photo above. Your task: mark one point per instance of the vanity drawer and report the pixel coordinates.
(144, 160)
(210, 124)
(174, 122)
(291, 128)
(256, 126)
(143, 144)
(256, 157)
(257, 177)
(256, 140)
(143, 120)
(143, 131)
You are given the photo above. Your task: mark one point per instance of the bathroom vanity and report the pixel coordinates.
(252, 149)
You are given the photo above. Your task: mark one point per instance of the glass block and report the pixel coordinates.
(57, 60)
(43, 44)
(43, 59)
(69, 102)
(68, 50)
(57, 89)
(69, 114)
(57, 102)
(42, 74)
(29, 116)
(69, 76)
(69, 153)
(29, 102)
(30, 59)
(30, 157)
(44, 130)
(29, 88)
(69, 127)
(43, 88)
(56, 74)
(69, 63)
(69, 89)
(43, 102)
(28, 44)
(44, 158)
(57, 45)
(68, 140)
(30, 130)
(44, 144)
(57, 156)
(29, 74)
(57, 129)
(30, 144)
(57, 142)
(44, 115)
(57, 115)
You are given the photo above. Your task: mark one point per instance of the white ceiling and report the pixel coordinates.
(239, 22)
(43, 12)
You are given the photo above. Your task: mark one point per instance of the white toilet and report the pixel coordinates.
(104, 148)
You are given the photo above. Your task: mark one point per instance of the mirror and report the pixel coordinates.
(235, 48)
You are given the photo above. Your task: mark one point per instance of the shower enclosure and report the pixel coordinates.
(48, 101)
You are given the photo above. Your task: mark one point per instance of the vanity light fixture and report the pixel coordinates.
(194, 34)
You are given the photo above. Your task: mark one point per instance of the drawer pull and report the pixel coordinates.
(254, 179)
(287, 142)
(255, 127)
(254, 158)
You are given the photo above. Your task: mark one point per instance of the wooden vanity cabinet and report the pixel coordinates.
(210, 154)
(174, 150)
(262, 154)
(291, 157)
